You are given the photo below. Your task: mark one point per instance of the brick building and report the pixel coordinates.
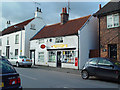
(109, 30)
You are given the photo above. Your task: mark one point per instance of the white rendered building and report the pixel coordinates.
(15, 39)
(66, 44)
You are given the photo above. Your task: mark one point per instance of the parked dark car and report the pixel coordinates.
(101, 67)
(5, 59)
(9, 78)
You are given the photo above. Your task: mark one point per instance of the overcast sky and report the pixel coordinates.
(20, 11)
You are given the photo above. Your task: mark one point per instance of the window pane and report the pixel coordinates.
(104, 62)
(109, 21)
(16, 39)
(93, 61)
(52, 56)
(116, 20)
(0, 42)
(41, 56)
(59, 40)
(7, 40)
(16, 52)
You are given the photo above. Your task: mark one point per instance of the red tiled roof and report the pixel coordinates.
(17, 27)
(56, 30)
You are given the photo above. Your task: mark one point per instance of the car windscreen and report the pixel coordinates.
(22, 57)
(6, 68)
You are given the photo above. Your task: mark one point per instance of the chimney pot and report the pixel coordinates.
(65, 10)
(99, 6)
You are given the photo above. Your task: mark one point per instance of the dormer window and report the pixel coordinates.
(32, 27)
(113, 20)
(59, 40)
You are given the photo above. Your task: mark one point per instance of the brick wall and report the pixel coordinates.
(109, 36)
(94, 53)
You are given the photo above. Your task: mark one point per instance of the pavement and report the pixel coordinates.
(65, 70)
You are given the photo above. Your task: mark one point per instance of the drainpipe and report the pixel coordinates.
(21, 44)
(99, 38)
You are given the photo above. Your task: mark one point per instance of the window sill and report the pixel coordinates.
(32, 29)
(113, 27)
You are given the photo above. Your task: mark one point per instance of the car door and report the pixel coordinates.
(92, 66)
(105, 68)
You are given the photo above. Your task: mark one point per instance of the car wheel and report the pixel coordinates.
(85, 75)
(17, 64)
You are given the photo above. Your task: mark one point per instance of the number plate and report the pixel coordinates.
(1, 84)
(28, 60)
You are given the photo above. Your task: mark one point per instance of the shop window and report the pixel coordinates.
(113, 20)
(0, 42)
(59, 40)
(41, 41)
(17, 39)
(52, 56)
(40, 56)
(16, 52)
(69, 56)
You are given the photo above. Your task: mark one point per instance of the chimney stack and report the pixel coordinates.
(64, 15)
(99, 6)
(38, 13)
(8, 23)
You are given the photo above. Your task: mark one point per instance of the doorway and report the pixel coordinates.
(7, 51)
(58, 59)
(32, 56)
(112, 51)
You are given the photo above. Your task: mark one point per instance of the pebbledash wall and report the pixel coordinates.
(75, 47)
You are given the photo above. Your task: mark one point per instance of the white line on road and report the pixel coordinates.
(28, 77)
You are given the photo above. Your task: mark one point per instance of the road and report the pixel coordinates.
(40, 78)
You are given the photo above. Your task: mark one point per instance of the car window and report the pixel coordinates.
(93, 61)
(104, 62)
(6, 68)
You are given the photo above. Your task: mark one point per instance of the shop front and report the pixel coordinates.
(63, 58)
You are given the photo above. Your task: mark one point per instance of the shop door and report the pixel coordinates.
(113, 51)
(58, 59)
(7, 51)
(32, 56)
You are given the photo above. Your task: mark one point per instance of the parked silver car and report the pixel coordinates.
(21, 61)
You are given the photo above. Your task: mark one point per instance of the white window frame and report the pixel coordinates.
(111, 23)
(52, 56)
(41, 41)
(17, 39)
(15, 52)
(7, 40)
(59, 40)
(41, 56)
(32, 26)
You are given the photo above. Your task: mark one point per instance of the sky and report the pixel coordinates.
(17, 11)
